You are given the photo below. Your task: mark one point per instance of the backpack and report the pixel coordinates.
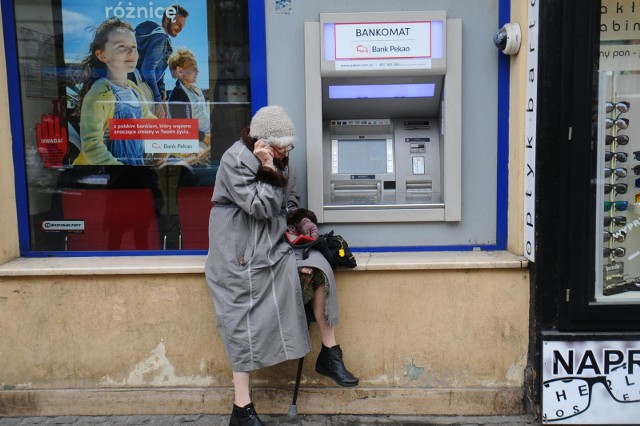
(334, 248)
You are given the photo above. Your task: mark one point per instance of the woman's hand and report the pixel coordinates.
(264, 152)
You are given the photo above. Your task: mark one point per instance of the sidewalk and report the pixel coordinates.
(300, 419)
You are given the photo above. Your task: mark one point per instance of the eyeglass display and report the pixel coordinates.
(618, 139)
(618, 172)
(614, 220)
(621, 123)
(618, 236)
(615, 251)
(619, 248)
(617, 205)
(621, 107)
(621, 157)
(619, 188)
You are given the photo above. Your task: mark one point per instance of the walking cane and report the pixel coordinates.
(293, 409)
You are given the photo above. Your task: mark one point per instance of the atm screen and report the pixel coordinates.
(362, 156)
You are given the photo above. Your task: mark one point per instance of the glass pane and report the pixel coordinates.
(124, 107)
(617, 239)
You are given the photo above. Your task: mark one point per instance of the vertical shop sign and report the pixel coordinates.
(591, 382)
(531, 105)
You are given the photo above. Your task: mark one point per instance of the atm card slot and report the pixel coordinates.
(355, 188)
(420, 186)
(417, 125)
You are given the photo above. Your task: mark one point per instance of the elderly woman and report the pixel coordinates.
(253, 274)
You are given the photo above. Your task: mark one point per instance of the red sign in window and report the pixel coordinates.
(52, 140)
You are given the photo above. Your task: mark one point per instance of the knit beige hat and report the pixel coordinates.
(273, 125)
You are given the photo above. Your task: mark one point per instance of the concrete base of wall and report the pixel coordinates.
(102, 402)
(442, 341)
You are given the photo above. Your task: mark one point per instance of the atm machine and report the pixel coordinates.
(383, 106)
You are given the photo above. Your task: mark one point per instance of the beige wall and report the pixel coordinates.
(518, 75)
(434, 338)
(412, 333)
(9, 248)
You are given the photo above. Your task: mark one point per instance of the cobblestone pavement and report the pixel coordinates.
(306, 420)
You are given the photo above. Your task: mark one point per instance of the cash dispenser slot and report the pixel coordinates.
(419, 186)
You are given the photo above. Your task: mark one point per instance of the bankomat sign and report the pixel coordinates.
(591, 382)
(382, 40)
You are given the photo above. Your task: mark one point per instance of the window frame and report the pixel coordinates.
(564, 270)
(258, 70)
(257, 48)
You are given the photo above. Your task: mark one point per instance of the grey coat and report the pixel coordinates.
(250, 270)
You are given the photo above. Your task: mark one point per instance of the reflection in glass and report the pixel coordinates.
(70, 206)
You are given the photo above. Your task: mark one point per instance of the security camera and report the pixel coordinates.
(508, 38)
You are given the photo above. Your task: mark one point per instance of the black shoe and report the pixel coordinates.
(245, 416)
(330, 364)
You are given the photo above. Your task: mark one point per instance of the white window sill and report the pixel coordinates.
(140, 265)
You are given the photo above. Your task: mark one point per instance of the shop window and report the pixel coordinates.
(617, 171)
(120, 106)
(587, 267)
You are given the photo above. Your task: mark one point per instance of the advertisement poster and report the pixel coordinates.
(137, 82)
(591, 382)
